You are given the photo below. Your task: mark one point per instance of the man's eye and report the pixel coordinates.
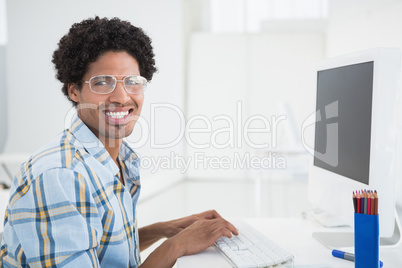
(131, 82)
(100, 83)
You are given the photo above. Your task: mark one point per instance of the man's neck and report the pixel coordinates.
(111, 145)
(113, 148)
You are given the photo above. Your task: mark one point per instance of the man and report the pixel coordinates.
(73, 203)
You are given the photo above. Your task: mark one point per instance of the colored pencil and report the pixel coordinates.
(372, 204)
(365, 202)
(358, 202)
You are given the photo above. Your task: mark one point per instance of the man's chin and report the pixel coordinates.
(119, 134)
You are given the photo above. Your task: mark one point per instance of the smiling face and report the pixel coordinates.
(113, 115)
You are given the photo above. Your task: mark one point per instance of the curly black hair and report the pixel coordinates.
(91, 38)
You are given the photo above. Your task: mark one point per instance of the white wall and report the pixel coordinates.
(3, 98)
(3, 95)
(3, 84)
(36, 106)
(217, 81)
(279, 65)
(258, 71)
(362, 24)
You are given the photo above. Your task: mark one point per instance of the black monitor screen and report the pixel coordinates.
(343, 121)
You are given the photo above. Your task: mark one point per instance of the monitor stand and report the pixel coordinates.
(338, 239)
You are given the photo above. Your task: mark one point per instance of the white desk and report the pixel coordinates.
(295, 235)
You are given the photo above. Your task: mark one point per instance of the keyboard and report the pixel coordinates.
(252, 249)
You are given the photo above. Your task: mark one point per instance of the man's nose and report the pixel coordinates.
(119, 94)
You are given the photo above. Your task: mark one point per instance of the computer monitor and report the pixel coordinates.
(356, 139)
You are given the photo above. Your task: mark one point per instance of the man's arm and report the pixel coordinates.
(51, 222)
(152, 233)
(188, 239)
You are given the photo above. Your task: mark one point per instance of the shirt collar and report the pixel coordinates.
(91, 144)
(95, 148)
(130, 160)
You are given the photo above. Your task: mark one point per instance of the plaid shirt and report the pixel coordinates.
(67, 207)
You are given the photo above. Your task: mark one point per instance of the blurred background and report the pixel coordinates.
(222, 121)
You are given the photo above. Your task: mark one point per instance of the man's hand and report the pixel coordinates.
(202, 234)
(175, 226)
(187, 236)
(152, 233)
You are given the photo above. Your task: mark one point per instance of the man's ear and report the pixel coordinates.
(73, 92)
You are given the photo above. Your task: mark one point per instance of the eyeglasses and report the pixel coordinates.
(105, 84)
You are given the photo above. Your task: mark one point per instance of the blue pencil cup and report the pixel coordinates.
(367, 241)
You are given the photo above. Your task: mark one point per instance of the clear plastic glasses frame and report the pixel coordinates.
(105, 84)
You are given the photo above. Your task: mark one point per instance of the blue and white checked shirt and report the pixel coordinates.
(67, 207)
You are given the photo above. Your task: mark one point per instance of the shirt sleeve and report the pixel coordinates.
(56, 222)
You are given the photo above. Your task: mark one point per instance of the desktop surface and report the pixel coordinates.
(294, 235)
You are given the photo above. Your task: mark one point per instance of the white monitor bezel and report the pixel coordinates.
(333, 192)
